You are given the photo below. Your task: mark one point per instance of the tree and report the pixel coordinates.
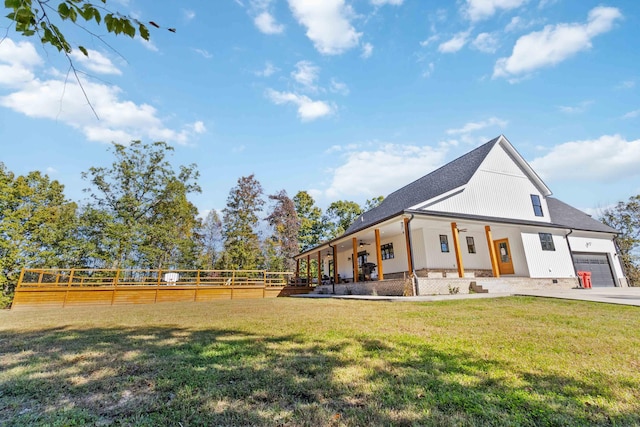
(625, 217)
(310, 216)
(372, 203)
(240, 222)
(38, 226)
(45, 17)
(284, 221)
(339, 216)
(140, 215)
(211, 240)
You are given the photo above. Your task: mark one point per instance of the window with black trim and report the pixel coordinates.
(546, 240)
(471, 245)
(537, 205)
(386, 251)
(444, 243)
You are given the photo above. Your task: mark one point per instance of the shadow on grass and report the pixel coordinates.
(175, 376)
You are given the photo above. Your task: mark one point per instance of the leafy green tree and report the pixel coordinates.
(285, 224)
(38, 226)
(310, 233)
(139, 216)
(339, 216)
(240, 223)
(45, 18)
(372, 203)
(625, 217)
(211, 240)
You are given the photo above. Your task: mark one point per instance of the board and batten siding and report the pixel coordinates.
(589, 243)
(499, 188)
(547, 264)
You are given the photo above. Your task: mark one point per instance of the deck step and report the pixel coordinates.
(478, 289)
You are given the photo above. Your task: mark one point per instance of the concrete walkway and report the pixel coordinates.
(623, 296)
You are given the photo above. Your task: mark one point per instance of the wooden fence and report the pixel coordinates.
(73, 287)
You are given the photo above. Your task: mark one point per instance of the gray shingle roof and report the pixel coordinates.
(455, 174)
(446, 178)
(570, 217)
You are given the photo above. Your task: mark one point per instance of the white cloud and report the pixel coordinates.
(306, 74)
(54, 98)
(456, 43)
(367, 50)
(328, 24)
(631, 114)
(476, 126)
(267, 71)
(51, 170)
(308, 109)
(514, 24)
(267, 24)
(608, 158)
(555, 43)
(148, 44)
(96, 62)
(383, 2)
(381, 170)
(203, 52)
(427, 73)
(198, 127)
(339, 87)
(486, 42)
(188, 14)
(429, 40)
(627, 84)
(575, 109)
(16, 62)
(477, 10)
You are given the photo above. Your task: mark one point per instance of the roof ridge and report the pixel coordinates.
(467, 154)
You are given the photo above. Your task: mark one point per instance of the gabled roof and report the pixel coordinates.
(448, 177)
(570, 217)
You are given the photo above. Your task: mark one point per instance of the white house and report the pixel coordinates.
(485, 215)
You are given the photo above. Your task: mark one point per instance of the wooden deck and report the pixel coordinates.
(73, 287)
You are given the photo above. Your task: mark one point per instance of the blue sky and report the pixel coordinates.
(344, 99)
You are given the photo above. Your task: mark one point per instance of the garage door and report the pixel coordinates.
(598, 265)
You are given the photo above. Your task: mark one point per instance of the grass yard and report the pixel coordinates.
(286, 361)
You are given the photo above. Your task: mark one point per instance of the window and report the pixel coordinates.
(471, 245)
(537, 206)
(444, 243)
(386, 251)
(546, 239)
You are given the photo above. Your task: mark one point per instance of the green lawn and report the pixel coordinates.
(286, 361)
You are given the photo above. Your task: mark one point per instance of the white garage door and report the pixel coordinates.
(598, 265)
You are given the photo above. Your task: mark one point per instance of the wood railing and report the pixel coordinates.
(76, 277)
(70, 287)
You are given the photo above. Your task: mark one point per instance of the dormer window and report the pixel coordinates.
(537, 206)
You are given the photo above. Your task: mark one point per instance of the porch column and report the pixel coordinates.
(308, 269)
(319, 268)
(379, 255)
(456, 247)
(335, 264)
(408, 241)
(354, 259)
(492, 252)
(297, 270)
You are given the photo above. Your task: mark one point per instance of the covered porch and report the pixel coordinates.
(413, 245)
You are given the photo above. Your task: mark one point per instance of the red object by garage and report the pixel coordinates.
(585, 279)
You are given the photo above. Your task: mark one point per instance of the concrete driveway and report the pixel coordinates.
(624, 296)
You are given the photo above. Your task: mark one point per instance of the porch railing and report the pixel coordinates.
(87, 278)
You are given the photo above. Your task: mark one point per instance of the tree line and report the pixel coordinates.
(138, 216)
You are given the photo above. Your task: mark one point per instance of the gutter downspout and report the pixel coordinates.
(333, 282)
(573, 261)
(413, 265)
